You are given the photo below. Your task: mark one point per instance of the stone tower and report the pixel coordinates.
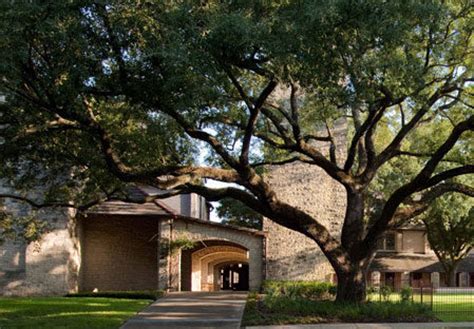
(289, 254)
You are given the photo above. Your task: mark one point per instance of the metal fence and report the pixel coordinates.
(453, 300)
(440, 300)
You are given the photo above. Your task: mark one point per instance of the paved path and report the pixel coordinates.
(182, 310)
(437, 325)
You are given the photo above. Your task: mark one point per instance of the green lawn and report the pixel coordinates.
(454, 307)
(67, 312)
(448, 307)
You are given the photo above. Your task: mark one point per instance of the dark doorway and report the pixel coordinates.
(390, 279)
(235, 277)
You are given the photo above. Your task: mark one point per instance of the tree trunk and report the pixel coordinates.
(351, 286)
(451, 275)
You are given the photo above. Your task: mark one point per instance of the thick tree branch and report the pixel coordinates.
(203, 136)
(284, 215)
(356, 143)
(415, 208)
(467, 169)
(392, 149)
(254, 111)
(282, 162)
(55, 204)
(420, 182)
(295, 121)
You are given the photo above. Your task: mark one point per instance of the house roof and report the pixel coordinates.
(138, 206)
(404, 262)
(129, 208)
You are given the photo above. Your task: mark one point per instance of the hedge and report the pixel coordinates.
(313, 290)
(154, 295)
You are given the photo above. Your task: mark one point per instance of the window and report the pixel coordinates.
(417, 276)
(388, 242)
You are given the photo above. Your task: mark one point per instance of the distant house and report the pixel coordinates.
(405, 258)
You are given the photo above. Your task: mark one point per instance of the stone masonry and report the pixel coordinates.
(49, 266)
(202, 232)
(291, 255)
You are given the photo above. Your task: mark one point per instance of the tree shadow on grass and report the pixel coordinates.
(62, 312)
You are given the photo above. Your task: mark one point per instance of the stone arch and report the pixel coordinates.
(205, 258)
(216, 267)
(241, 245)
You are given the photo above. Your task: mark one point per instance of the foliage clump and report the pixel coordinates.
(313, 290)
(23, 229)
(282, 309)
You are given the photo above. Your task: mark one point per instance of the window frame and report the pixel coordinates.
(382, 244)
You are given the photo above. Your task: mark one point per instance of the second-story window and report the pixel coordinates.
(387, 242)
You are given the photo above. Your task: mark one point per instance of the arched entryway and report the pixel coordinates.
(233, 276)
(202, 267)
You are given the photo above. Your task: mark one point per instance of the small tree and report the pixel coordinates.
(450, 227)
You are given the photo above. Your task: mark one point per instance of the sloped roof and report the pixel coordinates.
(129, 208)
(138, 206)
(401, 262)
(156, 208)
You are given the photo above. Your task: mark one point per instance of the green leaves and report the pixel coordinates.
(450, 227)
(235, 213)
(98, 89)
(23, 229)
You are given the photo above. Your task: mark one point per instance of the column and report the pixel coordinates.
(405, 279)
(375, 279)
(435, 279)
(163, 255)
(464, 279)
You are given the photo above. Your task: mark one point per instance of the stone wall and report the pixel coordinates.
(291, 255)
(119, 253)
(49, 266)
(197, 231)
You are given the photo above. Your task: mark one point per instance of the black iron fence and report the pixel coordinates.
(453, 300)
(441, 300)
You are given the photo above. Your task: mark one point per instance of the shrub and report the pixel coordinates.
(405, 294)
(153, 295)
(329, 311)
(371, 290)
(299, 289)
(385, 292)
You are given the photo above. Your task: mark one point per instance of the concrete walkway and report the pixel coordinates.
(436, 325)
(182, 310)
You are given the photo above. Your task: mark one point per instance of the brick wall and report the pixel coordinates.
(119, 253)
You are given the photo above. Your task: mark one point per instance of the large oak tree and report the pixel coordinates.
(106, 93)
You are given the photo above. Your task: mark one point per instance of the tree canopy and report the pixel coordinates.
(104, 94)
